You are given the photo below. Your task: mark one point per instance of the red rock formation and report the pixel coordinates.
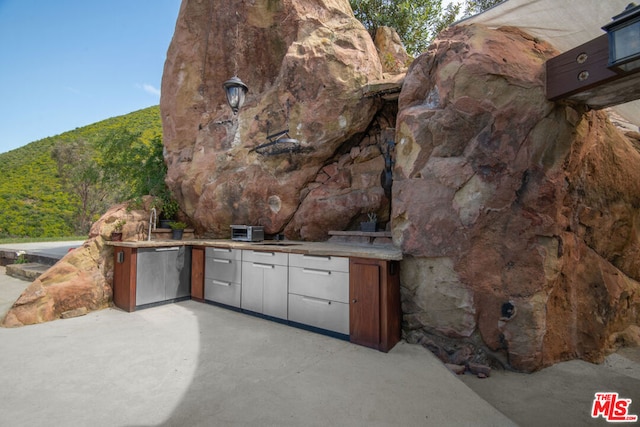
(393, 57)
(305, 63)
(82, 280)
(519, 216)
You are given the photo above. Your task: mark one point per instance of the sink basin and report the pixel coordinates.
(278, 244)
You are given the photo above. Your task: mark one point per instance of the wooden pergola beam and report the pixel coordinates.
(581, 75)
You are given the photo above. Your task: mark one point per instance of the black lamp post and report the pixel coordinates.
(624, 40)
(236, 91)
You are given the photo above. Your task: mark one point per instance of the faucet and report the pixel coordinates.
(153, 218)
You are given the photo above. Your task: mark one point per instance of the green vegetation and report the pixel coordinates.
(177, 225)
(417, 22)
(58, 186)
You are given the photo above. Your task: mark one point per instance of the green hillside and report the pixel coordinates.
(50, 187)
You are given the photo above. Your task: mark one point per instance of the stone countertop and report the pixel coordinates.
(383, 252)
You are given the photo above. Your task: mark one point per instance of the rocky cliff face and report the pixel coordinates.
(305, 63)
(518, 216)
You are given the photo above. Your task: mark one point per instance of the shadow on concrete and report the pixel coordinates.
(199, 365)
(251, 371)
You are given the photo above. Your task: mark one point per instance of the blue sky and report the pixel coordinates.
(69, 63)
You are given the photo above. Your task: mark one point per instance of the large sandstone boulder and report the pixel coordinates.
(305, 63)
(82, 280)
(518, 217)
(393, 56)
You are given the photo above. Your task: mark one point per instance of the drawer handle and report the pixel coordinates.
(222, 261)
(316, 301)
(313, 271)
(218, 282)
(174, 248)
(222, 250)
(318, 257)
(264, 253)
(257, 264)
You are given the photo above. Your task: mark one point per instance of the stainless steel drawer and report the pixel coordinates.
(223, 292)
(325, 284)
(223, 253)
(333, 263)
(275, 258)
(227, 270)
(329, 315)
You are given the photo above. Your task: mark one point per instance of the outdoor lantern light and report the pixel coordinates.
(236, 91)
(624, 39)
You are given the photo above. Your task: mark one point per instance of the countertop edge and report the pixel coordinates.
(381, 252)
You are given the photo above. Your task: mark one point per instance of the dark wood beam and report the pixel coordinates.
(581, 75)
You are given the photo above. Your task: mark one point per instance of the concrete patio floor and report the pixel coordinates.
(193, 364)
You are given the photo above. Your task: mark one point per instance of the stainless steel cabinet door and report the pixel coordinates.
(178, 272)
(163, 274)
(252, 286)
(275, 291)
(149, 276)
(264, 289)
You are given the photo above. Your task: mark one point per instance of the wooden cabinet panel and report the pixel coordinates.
(364, 315)
(390, 308)
(124, 278)
(197, 273)
(374, 312)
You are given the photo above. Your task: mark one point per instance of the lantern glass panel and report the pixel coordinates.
(234, 96)
(626, 42)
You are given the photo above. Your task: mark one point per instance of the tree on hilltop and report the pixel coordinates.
(417, 22)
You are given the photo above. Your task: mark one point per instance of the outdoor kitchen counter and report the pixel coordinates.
(354, 295)
(373, 251)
